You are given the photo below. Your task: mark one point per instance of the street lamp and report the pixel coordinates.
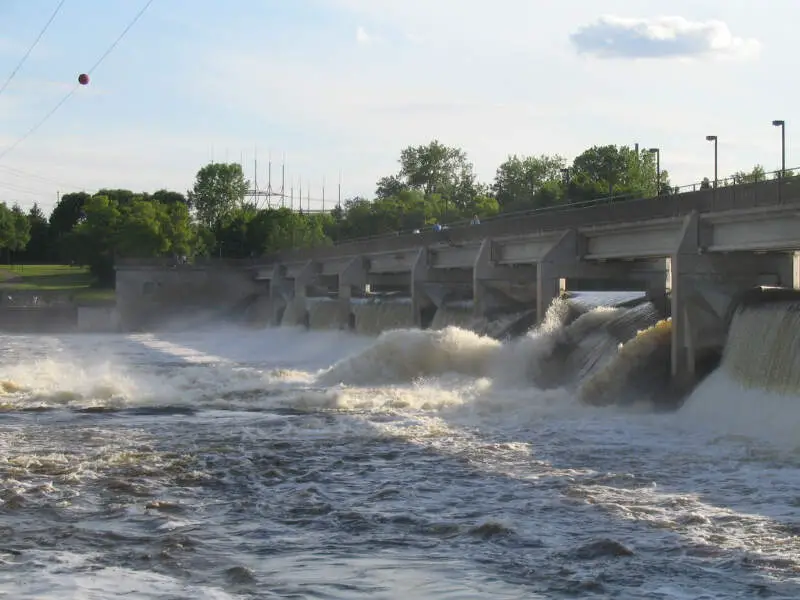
(713, 138)
(657, 152)
(782, 124)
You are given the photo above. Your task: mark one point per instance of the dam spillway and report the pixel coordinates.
(692, 266)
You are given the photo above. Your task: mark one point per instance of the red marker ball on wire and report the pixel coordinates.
(83, 79)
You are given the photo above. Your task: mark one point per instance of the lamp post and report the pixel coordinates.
(713, 138)
(657, 152)
(782, 124)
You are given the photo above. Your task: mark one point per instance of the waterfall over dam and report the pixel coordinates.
(609, 348)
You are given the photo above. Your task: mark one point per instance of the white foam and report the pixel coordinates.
(725, 406)
(405, 354)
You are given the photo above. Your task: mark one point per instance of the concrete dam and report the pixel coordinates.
(707, 263)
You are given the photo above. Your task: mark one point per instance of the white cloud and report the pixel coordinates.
(660, 37)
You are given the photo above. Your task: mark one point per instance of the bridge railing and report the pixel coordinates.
(593, 212)
(166, 262)
(612, 209)
(724, 187)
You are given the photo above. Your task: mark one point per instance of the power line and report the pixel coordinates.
(33, 129)
(14, 172)
(32, 46)
(19, 190)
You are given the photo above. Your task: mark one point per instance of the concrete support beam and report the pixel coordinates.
(352, 282)
(486, 270)
(560, 259)
(281, 293)
(704, 286)
(353, 278)
(304, 278)
(420, 272)
(683, 263)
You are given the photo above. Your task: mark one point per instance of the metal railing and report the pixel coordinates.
(167, 262)
(722, 184)
(727, 195)
(567, 216)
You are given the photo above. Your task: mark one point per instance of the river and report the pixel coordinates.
(232, 463)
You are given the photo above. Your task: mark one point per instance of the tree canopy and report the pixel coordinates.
(434, 183)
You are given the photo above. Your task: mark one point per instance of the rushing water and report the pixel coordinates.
(230, 463)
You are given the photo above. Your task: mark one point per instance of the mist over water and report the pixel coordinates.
(283, 463)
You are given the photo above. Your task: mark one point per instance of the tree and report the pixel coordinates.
(121, 197)
(140, 230)
(218, 189)
(21, 229)
(6, 228)
(522, 182)
(388, 187)
(433, 169)
(169, 197)
(38, 248)
(756, 174)
(66, 214)
(603, 165)
(177, 227)
(614, 170)
(92, 241)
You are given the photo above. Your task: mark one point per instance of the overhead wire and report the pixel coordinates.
(14, 172)
(31, 47)
(69, 94)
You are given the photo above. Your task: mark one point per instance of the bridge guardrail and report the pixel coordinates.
(601, 211)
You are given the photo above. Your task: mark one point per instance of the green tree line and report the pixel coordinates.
(434, 183)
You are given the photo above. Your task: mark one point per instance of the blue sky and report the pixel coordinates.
(344, 85)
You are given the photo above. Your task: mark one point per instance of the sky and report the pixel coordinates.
(337, 88)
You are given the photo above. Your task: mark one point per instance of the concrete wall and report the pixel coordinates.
(98, 319)
(147, 296)
(42, 319)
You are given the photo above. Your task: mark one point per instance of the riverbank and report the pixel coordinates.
(35, 284)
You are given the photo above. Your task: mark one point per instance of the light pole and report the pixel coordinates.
(782, 124)
(657, 152)
(713, 138)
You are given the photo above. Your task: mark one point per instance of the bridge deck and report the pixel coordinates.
(747, 196)
(584, 217)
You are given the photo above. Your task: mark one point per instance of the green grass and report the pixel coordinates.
(54, 279)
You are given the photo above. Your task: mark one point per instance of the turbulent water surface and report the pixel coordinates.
(230, 463)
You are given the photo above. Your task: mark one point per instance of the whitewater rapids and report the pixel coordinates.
(230, 463)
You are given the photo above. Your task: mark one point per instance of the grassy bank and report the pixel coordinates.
(62, 280)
